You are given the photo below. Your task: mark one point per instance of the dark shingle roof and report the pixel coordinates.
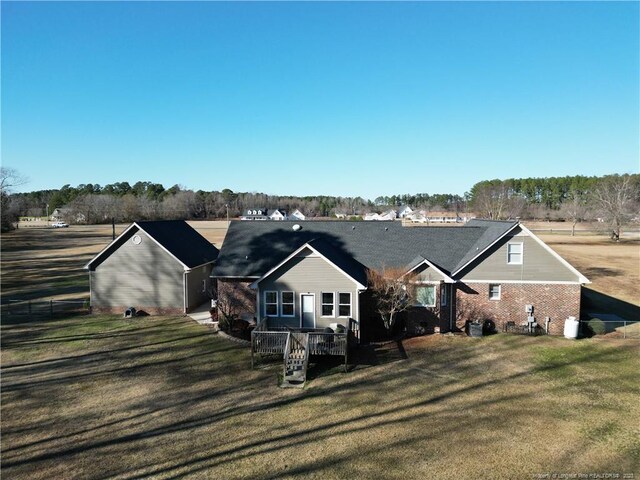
(176, 236)
(251, 249)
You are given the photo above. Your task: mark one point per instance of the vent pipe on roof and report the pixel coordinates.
(296, 227)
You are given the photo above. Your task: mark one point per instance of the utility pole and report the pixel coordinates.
(47, 214)
(227, 205)
(113, 228)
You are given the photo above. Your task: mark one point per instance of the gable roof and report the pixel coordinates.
(176, 237)
(252, 249)
(343, 263)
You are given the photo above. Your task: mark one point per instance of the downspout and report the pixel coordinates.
(451, 297)
(184, 288)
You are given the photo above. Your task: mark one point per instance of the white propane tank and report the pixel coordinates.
(571, 327)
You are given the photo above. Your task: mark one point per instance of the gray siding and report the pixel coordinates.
(425, 273)
(309, 274)
(143, 275)
(537, 264)
(195, 294)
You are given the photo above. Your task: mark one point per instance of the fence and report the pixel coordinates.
(610, 328)
(48, 308)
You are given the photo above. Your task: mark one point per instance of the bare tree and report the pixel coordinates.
(575, 208)
(614, 198)
(9, 178)
(392, 292)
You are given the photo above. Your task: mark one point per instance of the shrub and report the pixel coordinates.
(596, 326)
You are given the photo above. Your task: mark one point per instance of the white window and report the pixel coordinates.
(494, 291)
(344, 304)
(271, 304)
(328, 304)
(514, 253)
(287, 304)
(426, 296)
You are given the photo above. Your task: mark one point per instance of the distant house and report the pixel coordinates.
(67, 214)
(404, 211)
(371, 216)
(340, 215)
(315, 276)
(297, 215)
(384, 216)
(255, 214)
(278, 215)
(158, 267)
(424, 216)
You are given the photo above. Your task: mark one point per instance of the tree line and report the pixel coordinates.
(572, 198)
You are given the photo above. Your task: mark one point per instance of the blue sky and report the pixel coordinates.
(343, 99)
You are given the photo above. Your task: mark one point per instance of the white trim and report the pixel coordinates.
(184, 289)
(581, 278)
(277, 304)
(435, 300)
(532, 282)
(485, 249)
(294, 254)
(350, 305)
(314, 307)
(447, 278)
(148, 235)
(521, 262)
(111, 243)
(322, 304)
(499, 292)
(293, 295)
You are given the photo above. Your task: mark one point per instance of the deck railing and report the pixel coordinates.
(327, 343)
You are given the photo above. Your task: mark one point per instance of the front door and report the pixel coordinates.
(308, 313)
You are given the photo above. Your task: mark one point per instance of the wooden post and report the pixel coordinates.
(252, 350)
(113, 228)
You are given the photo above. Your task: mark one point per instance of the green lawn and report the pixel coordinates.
(103, 397)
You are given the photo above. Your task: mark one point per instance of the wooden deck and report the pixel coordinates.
(308, 341)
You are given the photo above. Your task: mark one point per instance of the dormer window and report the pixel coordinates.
(514, 253)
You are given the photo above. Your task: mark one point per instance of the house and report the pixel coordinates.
(67, 214)
(315, 275)
(158, 267)
(297, 215)
(404, 211)
(384, 216)
(278, 215)
(255, 214)
(371, 216)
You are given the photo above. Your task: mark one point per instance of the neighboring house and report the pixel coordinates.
(278, 215)
(384, 216)
(315, 275)
(340, 216)
(255, 214)
(158, 267)
(67, 214)
(297, 215)
(404, 211)
(371, 216)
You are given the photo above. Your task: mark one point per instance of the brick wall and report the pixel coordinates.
(557, 301)
(236, 297)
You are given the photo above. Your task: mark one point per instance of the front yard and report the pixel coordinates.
(104, 397)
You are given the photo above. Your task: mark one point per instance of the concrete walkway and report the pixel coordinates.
(202, 315)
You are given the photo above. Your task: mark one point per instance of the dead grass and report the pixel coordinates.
(101, 397)
(612, 267)
(46, 263)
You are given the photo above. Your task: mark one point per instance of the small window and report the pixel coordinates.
(328, 304)
(271, 304)
(514, 253)
(444, 293)
(287, 304)
(494, 291)
(426, 296)
(344, 304)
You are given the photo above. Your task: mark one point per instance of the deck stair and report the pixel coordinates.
(296, 360)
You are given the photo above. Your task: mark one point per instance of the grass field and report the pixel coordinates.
(163, 397)
(102, 397)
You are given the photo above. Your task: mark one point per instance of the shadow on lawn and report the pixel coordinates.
(207, 386)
